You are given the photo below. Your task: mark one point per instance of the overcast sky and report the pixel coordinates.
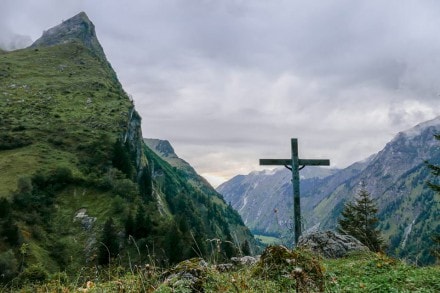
(230, 82)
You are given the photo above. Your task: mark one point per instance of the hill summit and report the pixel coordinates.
(78, 28)
(78, 185)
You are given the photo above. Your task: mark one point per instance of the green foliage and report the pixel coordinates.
(362, 272)
(303, 272)
(62, 118)
(109, 247)
(35, 273)
(142, 224)
(14, 140)
(360, 221)
(125, 188)
(306, 269)
(245, 248)
(146, 185)
(129, 225)
(121, 158)
(8, 265)
(435, 170)
(10, 232)
(436, 247)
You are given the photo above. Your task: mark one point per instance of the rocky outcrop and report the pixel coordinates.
(331, 244)
(85, 220)
(78, 28)
(133, 137)
(188, 275)
(245, 260)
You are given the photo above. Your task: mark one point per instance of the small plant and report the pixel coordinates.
(34, 274)
(279, 263)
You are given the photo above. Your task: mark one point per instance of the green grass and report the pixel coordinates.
(53, 100)
(356, 273)
(268, 240)
(379, 273)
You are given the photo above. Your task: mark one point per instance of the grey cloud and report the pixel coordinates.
(230, 81)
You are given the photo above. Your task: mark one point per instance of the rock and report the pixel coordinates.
(237, 262)
(188, 274)
(78, 28)
(225, 267)
(330, 244)
(86, 221)
(245, 260)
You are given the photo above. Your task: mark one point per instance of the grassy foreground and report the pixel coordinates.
(356, 273)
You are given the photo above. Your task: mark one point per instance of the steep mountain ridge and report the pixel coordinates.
(164, 150)
(75, 168)
(77, 28)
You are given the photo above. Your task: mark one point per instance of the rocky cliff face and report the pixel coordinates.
(78, 28)
(133, 137)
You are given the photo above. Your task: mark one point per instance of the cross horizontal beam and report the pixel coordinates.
(303, 162)
(281, 162)
(314, 162)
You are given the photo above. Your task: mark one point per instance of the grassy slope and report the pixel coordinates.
(357, 273)
(56, 104)
(181, 169)
(62, 106)
(57, 98)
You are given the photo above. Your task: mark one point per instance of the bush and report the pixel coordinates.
(24, 184)
(8, 265)
(62, 175)
(299, 265)
(9, 142)
(125, 188)
(34, 274)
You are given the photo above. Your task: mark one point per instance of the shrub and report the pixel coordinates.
(125, 188)
(8, 265)
(278, 262)
(24, 184)
(34, 274)
(9, 142)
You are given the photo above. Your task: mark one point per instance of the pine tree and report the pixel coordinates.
(129, 225)
(109, 246)
(435, 171)
(359, 220)
(245, 248)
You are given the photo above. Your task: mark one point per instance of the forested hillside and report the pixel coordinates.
(77, 186)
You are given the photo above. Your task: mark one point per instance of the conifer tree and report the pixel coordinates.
(435, 171)
(129, 225)
(109, 247)
(359, 220)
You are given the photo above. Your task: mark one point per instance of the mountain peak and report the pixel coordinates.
(77, 28)
(419, 128)
(162, 146)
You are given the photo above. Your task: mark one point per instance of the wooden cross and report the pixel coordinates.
(296, 164)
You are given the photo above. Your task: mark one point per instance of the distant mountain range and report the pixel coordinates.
(396, 177)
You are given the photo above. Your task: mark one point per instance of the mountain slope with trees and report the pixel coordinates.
(75, 170)
(396, 177)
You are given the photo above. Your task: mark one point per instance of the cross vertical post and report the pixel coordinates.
(296, 164)
(295, 185)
